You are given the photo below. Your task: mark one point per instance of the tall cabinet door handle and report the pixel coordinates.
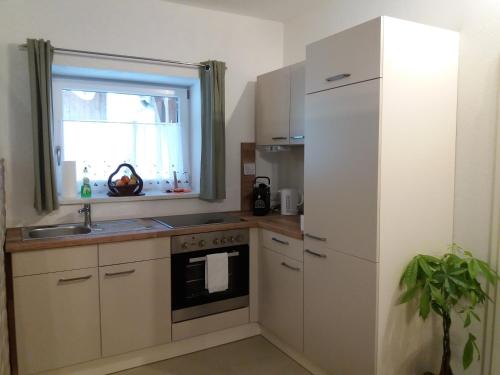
(314, 253)
(317, 238)
(338, 77)
(297, 137)
(284, 264)
(280, 241)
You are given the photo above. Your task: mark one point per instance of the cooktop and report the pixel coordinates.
(192, 220)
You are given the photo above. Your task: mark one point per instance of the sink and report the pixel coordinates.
(102, 227)
(56, 231)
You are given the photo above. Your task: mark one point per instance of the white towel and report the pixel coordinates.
(216, 272)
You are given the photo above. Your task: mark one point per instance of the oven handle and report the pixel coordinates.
(203, 259)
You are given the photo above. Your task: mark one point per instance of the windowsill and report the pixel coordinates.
(150, 196)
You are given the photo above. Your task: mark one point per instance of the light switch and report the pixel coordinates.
(249, 169)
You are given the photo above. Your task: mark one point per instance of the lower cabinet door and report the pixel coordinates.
(135, 305)
(340, 312)
(281, 297)
(57, 319)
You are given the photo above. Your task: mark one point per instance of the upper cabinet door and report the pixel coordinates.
(273, 108)
(341, 169)
(297, 102)
(350, 56)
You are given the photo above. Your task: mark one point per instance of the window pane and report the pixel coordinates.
(104, 129)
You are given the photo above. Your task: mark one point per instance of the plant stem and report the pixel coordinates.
(445, 362)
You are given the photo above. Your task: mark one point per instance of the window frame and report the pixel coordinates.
(61, 83)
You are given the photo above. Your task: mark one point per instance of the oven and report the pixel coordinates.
(190, 299)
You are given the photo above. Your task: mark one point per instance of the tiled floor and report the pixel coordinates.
(253, 356)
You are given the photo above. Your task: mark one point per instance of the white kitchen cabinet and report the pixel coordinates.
(340, 312)
(135, 305)
(281, 297)
(378, 189)
(280, 106)
(57, 319)
(297, 102)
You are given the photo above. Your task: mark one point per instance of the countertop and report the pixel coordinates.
(286, 225)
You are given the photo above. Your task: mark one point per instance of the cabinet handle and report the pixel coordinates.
(338, 77)
(278, 138)
(297, 137)
(81, 278)
(290, 267)
(322, 239)
(119, 273)
(280, 241)
(319, 255)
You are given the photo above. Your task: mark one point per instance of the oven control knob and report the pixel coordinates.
(239, 238)
(216, 241)
(223, 240)
(185, 245)
(201, 243)
(231, 239)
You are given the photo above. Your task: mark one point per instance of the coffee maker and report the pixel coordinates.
(261, 196)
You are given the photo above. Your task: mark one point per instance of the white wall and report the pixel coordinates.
(479, 26)
(150, 28)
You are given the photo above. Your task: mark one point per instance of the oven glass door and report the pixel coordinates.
(188, 278)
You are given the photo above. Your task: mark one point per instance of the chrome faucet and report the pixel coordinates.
(86, 210)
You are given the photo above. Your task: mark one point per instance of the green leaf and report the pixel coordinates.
(425, 303)
(425, 266)
(490, 275)
(409, 277)
(475, 316)
(437, 295)
(468, 355)
(408, 295)
(467, 320)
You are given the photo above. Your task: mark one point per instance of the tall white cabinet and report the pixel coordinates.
(379, 184)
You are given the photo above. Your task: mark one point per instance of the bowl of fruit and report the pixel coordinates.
(130, 183)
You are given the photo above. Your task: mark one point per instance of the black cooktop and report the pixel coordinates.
(192, 220)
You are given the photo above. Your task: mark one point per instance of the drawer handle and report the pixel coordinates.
(319, 255)
(278, 138)
(338, 77)
(297, 137)
(119, 273)
(322, 239)
(280, 241)
(284, 264)
(81, 278)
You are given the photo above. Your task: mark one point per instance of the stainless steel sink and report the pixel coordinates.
(56, 231)
(102, 227)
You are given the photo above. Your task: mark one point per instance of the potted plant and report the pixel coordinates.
(446, 285)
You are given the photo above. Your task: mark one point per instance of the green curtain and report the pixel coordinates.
(213, 138)
(40, 54)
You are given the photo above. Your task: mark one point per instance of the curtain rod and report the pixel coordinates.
(128, 57)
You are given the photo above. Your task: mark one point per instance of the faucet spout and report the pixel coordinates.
(87, 211)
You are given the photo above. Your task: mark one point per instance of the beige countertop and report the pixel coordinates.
(286, 225)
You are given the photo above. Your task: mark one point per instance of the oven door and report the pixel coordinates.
(191, 300)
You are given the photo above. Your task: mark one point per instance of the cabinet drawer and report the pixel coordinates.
(135, 305)
(133, 251)
(57, 319)
(284, 245)
(54, 260)
(353, 55)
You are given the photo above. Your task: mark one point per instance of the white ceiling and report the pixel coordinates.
(277, 10)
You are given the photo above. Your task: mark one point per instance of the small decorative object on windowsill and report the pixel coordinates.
(129, 184)
(178, 185)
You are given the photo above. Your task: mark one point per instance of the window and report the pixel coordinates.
(101, 124)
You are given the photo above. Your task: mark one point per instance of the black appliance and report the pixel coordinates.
(261, 196)
(190, 299)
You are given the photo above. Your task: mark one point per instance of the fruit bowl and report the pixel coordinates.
(127, 185)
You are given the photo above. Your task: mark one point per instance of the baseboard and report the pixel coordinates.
(292, 353)
(142, 357)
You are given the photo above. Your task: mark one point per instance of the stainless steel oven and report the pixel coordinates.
(190, 299)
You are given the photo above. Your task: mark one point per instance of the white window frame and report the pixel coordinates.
(61, 83)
